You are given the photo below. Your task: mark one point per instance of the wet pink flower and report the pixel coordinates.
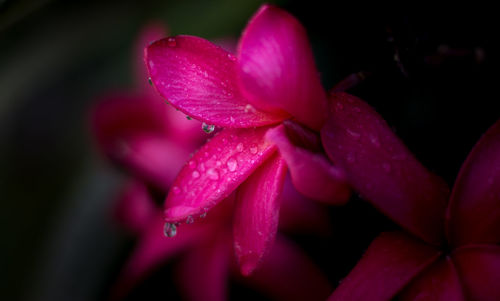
(271, 78)
(454, 252)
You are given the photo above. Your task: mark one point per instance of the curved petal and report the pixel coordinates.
(276, 67)
(257, 213)
(312, 174)
(287, 273)
(390, 263)
(203, 272)
(474, 210)
(479, 270)
(439, 282)
(135, 208)
(217, 169)
(154, 248)
(199, 79)
(380, 167)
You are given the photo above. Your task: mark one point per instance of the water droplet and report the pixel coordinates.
(386, 166)
(202, 167)
(170, 230)
(353, 134)
(231, 57)
(254, 149)
(207, 128)
(176, 190)
(232, 164)
(189, 117)
(218, 163)
(195, 174)
(189, 220)
(249, 108)
(203, 215)
(239, 147)
(150, 81)
(231, 118)
(212, 174)
(192, 164)
(171, 42)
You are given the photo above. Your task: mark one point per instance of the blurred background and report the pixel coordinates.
(432, 75)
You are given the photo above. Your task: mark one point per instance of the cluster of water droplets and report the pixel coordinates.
(207, 128)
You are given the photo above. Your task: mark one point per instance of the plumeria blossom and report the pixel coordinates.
(206, 250)
(451, 250)
(271, 79)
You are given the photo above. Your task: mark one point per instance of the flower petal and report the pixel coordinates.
(474, 210)
(135, 208)
(380, 167)
(479, 269)
(438, 282)
(289, 274)
(312, 174)
(153, 249)
(276, 67)
(217, 169)
(199, 79)
(257, 213)
(203, 273)
(391, 262)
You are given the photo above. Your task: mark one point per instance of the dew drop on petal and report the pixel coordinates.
(212, 174)
(169, 230)
(239, 147)
(203, 215)
(208, 128)
(189, 117)
(353, 134)
(254, 149)
(176, 190)
(150, 81)
(189, 220)
(171, 42)
(196, 174)
(232, 164)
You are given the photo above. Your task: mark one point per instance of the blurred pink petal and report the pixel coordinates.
(439, 281)
(216, 170)
(257, 213)
(135, 208)
(382, 169)
(389, 264)
(276, 68)
(479, 269)
(474, 210)
(204, 271)
(288, 274)
(183, 131)
(312, 174)
(199, 79)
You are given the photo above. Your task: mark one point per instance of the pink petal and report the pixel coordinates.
(289, 274)
(135, 208)
(199, 79)
(153, 249)
(382, 169)
(217, 169)
(391, 262)
(257, 213)
(301, 215)
(204, 271)
(276, 67)
(438, 282)
(479, 270)
(312, 174)
(474, 210)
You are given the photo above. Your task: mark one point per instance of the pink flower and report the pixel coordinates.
(454, 253)
(206, 248)
(272, 78)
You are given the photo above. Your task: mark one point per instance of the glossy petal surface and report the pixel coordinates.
(382, 169)
(276, 67)
(439, 282)
(199, 79)
(312, 174)
(479, 269)
(257, 213)
(474, 212)
(215, 171)
(389, 264)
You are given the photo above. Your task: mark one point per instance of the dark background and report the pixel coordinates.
(433, 76)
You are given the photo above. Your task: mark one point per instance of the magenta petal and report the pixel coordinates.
(312, 174)
(216, 170)
(474, 210)
(380, 167)
(479, 270)
(135, 208)
(288, 274)
(257, 213)
(203, 272)
(277, 70)
(439, 282)
(390, 262)
(199, 79)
